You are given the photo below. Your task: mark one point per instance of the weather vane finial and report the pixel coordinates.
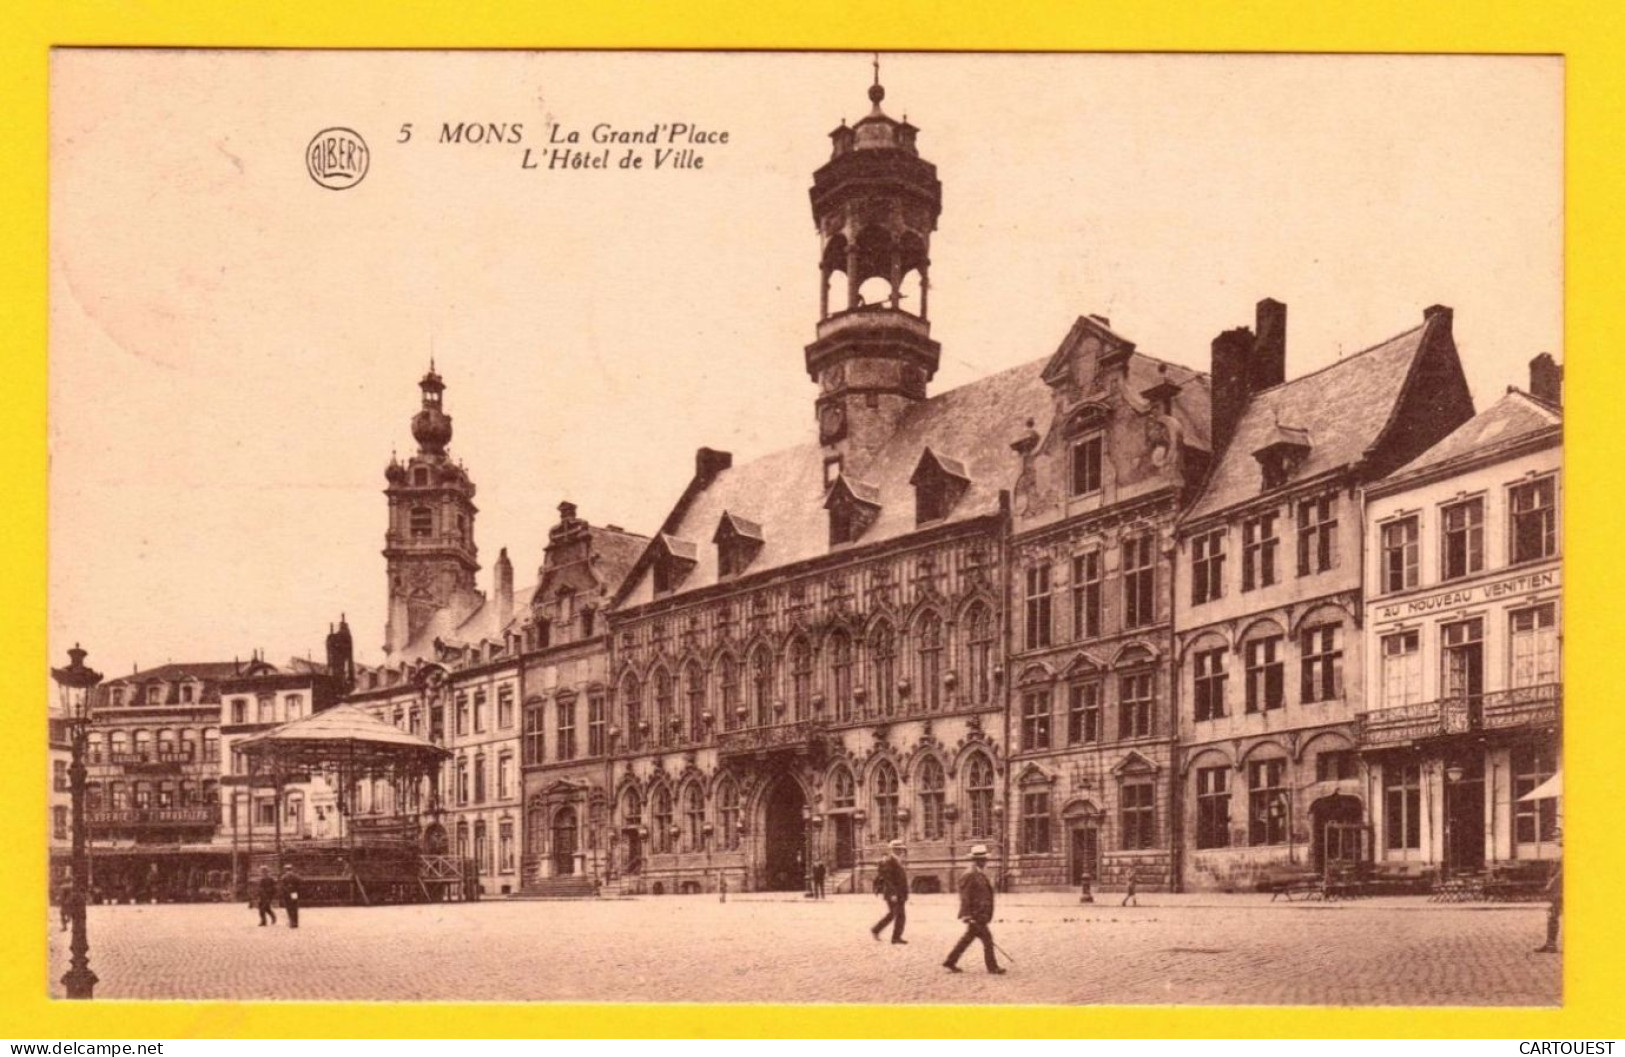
(877, 67)
(876, 92)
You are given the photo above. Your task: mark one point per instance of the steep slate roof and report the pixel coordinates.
(170, 672)
(970, 427)
(1343, 408)
(1512, 418)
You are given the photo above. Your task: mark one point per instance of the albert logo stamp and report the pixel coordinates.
(337, 158)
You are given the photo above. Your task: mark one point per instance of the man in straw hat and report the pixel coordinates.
(891, 882)
(975, 910)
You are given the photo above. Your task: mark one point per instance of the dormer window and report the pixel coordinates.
(674, 559)
(938, 483)
(738, 542)
(1281, 454)
(853, 507)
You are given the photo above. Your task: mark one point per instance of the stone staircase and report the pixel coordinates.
(571, 886)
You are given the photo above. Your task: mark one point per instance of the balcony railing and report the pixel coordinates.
(204, 815)
(804, 736)
(1502, 710)
(867, 316)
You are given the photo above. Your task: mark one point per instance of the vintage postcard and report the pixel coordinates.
(725, 527)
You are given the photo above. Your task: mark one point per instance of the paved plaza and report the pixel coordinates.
(1172, 949)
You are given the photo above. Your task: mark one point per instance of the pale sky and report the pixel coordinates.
(235, 351)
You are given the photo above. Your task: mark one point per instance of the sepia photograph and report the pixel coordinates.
(901, 528)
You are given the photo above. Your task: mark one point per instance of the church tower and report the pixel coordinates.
(429, 547)
(876, 203)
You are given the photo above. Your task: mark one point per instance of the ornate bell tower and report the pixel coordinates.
(876, 203)
(429, 547)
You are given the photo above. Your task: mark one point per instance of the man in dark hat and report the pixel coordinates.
(266, 891)
(818, 879)
(290, 895)
(891, 881)
(975, 910)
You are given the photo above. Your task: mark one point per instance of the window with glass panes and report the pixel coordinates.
(1322, 663)
(462, 714)
(932, 786)
(885, 799)
(1317, 535)
(505, 857)
(1463, 669)
(505, 708)
(980, 647)
(1037, 624)
(1266, 802)
(728, 684)
(1035, 821)
(928, 635)
(1213, 807)
(661, 819)
(1533, 646)
(1259, 544)
(1533, 821)
(632, 709)
(1083, 713)
(728, 814)
(596, 722)
(1533, 512)
(694, 688)
(1207, 567)
(530, 745)
(1086, 465)
(1265, 675)
(504, 776)
(1086, 595)
(1401, 668)
(479, 779)
(462, 781)
(979, 791)
(840, 672)
(883, 668)
(665, 705)
(1402, 805)
(567, 728)
(1209, 683)
(1137, 807)
(1401, 554)
(1139, 581)
(1136, 693)
(694, 816)
(1035, 716)
(1461, 543)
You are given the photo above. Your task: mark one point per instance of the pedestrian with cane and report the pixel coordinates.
(975, 910)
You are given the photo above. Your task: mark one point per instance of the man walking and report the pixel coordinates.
(290, 895)
(818, 879)
(1130, 895)
(266, 891)
(975, 910)
(891, 881)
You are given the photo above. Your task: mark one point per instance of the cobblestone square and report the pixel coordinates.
(1170, 949)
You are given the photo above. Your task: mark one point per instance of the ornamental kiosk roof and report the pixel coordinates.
(344, 736)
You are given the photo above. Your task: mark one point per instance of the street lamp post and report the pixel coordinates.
(75, 682)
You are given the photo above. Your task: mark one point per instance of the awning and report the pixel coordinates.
(1551, 787)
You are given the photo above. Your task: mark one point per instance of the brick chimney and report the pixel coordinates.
(1546, 379)
(1231, 352)
(1269, 349)
(502, 575)
(708, 462)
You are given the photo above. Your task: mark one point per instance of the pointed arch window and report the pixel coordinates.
(664, 708)
(728, 813)
(843, 790)
(632, 710)
(761, 686)
(932, 798)
(694, 685)
(694, 817)
(840, 671)
(801, 669)
(979, 795)
(883, 668)
(661, 821)
(728, 677)
(979, 656)
(885, 783)
(929, 636)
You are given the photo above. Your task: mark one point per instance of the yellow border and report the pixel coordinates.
(1589, 34)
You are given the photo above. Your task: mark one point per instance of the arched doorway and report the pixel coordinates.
(434, 839)
(564, 841)
(785, 838)
(1337, 834)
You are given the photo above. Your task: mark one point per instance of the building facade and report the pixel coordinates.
(1463, 616)
(1268, 606)
(566, 679)
(1091, 651)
